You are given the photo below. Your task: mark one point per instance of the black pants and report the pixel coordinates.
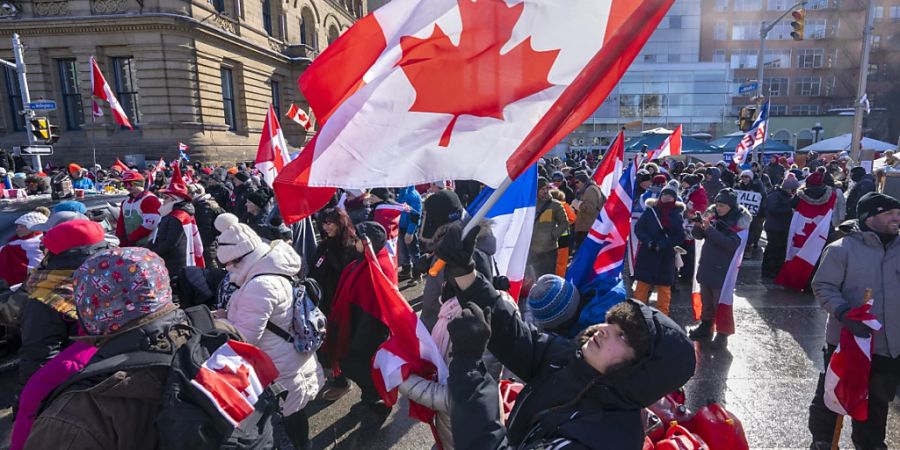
(776, 251)
(883, 381)
(756, 229)
(359, 370)
(296, 426)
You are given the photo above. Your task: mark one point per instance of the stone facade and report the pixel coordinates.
(167, 59)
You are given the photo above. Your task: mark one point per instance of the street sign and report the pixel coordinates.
(41, 105)
(749, 87)
(34, 150)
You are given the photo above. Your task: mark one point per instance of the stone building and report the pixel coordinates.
(192, 71)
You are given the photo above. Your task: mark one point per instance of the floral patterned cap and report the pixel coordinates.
(119, 285)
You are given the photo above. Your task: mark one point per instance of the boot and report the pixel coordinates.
(702, 331)
(720, 341)
(405, 273)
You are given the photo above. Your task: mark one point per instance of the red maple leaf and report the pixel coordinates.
(800, 238)
(474, 78)
(240, 380)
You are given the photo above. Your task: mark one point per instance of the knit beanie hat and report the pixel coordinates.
(375, 232)
(857, 173)
(659, 180)
(542, 182)
(235, 240)
(56, 219)
(728, 197)
(691, 179)
(441, 208)
(71, 205)
(260, 197)
(118, 286)
(553, 301)
(73, 234)
(642, 176)
(382, 193)
(790, 182)
(242, 176)
(31, 219)
(815, 179)
(669, 191)
(875, 203)
(747, 173)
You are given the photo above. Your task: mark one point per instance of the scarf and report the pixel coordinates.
(54, 289)
(664, 211)
(687, 192)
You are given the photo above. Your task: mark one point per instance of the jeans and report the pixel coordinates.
(408, 253)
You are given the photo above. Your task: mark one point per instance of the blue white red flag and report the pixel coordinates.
(603, 252)
(513, 223)
(754, 138)
(610, 169)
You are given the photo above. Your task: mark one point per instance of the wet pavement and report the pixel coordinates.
(766, 376)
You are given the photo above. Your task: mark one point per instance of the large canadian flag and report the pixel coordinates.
(427, 90)
(272, 154)
(669, 147)
(100, 88)
(847, 374)
(806, 240)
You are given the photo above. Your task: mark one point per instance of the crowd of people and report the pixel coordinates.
(192, 234)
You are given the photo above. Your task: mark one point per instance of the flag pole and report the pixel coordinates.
(439, 264)
(836, 439)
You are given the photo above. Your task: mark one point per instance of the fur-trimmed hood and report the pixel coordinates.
(737, 219)
(651, 202)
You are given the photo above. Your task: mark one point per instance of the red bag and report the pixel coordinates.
(679, 438)
(509, 391)
(671, 408)
(719, 427)
(654, 428)
(648, 444)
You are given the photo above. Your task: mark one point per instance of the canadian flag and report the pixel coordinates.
(427, 90)
(96, 112)
(610, 169)
(847, 374)
(234, 377)
(669, 147)
(151, 174)
(806, 239)
(725, 310)
(100, 88)
(182, 147)
(300, 117)
(272, 154)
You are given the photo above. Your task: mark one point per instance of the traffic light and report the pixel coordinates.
(745, 118)
(43, 130)
(797, 24)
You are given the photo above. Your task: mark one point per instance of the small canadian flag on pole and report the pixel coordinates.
(183, 147)
(272, 154)
(100, 88)
(300, 117)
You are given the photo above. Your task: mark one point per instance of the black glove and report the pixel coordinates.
(470, 332)
(856, 327)
(455, 251)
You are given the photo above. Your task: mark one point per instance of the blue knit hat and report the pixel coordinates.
(71, 205)
(553, 301)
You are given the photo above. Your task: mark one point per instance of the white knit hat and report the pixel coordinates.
(31, 219)
(236, 239)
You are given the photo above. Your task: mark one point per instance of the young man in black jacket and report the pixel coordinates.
(579, 394)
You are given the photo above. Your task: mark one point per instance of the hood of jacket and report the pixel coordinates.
(816, 195)
(680, 206)
(277, 258)
(486, 241)
(739, 218)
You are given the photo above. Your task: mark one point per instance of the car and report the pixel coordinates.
(102, 208)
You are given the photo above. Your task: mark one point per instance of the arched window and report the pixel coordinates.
(783, 136)
(804, 139)
(308, 29)
(333, 34)
(358, 8)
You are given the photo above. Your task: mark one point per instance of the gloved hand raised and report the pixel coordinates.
(858, 328)
(470, 332)
(455, 251)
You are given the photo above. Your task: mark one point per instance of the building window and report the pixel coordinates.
(879, 14)
(876, 41)
(126, 87)
(721, 31)
(782, 31)
(776, 59)
(675, 22)
(219, 5)
(630, 105)
(228, 102)
(276, 97)
(654, 105)
(778, 5)
(721, 5)
(267, 16)
(649, 58)
(744, 30)
(14, 98)
(815, 29)
(71, 95)
(783, 136)
(358, 6)
(744, 59)
(817, 4)
(805, 110)
(333, 35)
(777, 110)
(807, 86)
(805, 137)
(308, 29)
(719, 56)
(873, 71)
(776, 87)
(747, 5)
(895, 13)
(810, 58)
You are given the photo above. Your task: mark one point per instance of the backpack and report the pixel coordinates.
(308, 323)
(188, 418)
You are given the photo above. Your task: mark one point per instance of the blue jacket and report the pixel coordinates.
(83, 183)
(409, 221)
(656, 265)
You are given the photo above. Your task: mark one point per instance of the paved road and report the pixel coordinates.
(766, 376)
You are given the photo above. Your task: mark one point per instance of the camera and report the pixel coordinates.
(501, 283)
(697, 217)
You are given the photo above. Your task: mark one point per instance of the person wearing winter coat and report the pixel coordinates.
(557, 307)
(242, 188)
(386, 212)
(206, 209)
(775, 170)
(177, 238)
(137, 314)
(79, 180)
(583, 393)
(408, 242)
(749, 182)
(49, 318)
(866, 258)
(814, 192)
(779, 214)
(23, 251)
(588, 202)
(139, 213)
(440, 208)
(863, 183)
(550, 222)
(659, 230)
(264, 299)
(712, 184)
(264, 217)
(720, 228)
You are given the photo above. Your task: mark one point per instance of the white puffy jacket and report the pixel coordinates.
(263, 295)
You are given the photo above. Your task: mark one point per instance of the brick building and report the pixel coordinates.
(198, 72)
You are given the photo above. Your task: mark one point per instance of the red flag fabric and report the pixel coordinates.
(387, 94)
(300, 117)
(120, 166)
(671, 146)
(408, 349)
(272, 153)
(610, 169)
(233, 378)
(806, 240)
(847, 375)
(100, 88)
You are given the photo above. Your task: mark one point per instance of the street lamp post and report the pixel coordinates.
(856, 141)
(817, 128)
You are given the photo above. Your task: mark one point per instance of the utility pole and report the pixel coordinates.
(856, 142)
(19, 52)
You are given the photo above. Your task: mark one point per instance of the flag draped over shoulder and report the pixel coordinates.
(724, 312)
(421, 91)
(512, 220)
(847, 375)
(806, 240)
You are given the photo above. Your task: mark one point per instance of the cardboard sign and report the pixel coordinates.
(750, 200)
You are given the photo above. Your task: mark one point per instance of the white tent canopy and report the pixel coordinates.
(842, 143)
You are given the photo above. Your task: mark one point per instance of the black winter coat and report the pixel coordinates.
(206, 210)
(655, 262)
(221, 194)
(722, 241)
(171, 243)
(241, 192)
(605, 410)
(863, 187)
(330, 261)
(775, 173)
(779, 211)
